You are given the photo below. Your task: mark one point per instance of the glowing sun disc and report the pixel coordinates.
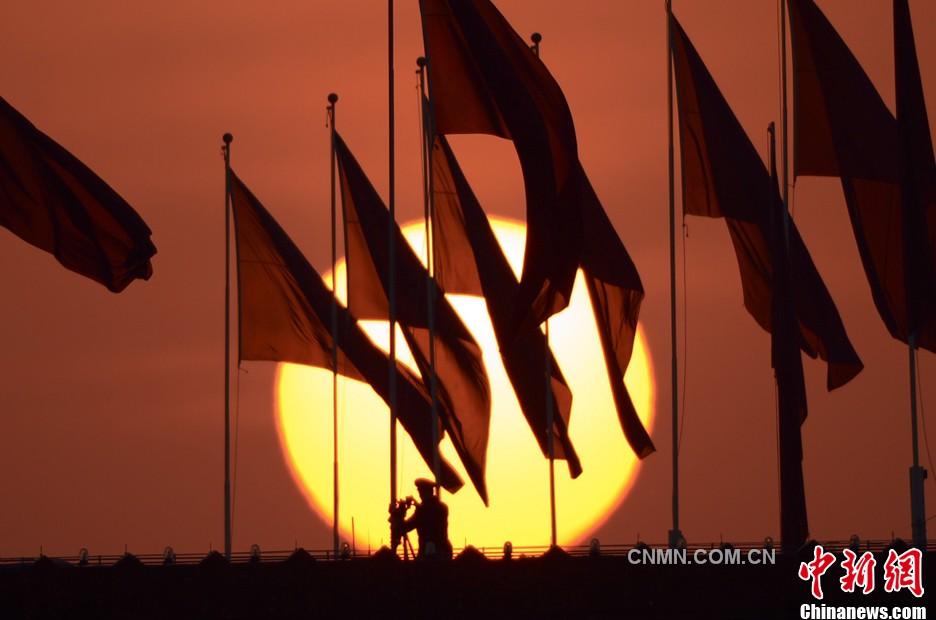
(517, 473)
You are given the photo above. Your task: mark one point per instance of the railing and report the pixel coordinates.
(494, 553)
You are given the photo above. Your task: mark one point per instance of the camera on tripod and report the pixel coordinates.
(397, 520)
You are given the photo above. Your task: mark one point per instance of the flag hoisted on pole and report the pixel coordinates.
(429, 215)
(723, 176)
(484, 78)
(470, 261)
(833, 95)
(226, 149)
(463, 388)
(332, 100)
(788, 364)
(676, 537)
(391, 262)
(788, 370)
(285, 310)
(536, 38)
(53, 201)
(918, 184)
(888, 178)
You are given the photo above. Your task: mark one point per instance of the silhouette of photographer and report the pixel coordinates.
(430, 520)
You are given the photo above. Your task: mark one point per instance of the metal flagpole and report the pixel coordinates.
(917, 473)
(909, 196)
(391, 244)
(429, 209)
(536, 38)
(332, 100)
(784, 142)
(226, 149)
(675, 536)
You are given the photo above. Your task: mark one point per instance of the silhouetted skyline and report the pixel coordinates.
(111, 405)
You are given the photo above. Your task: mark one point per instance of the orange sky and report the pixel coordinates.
(111, 405)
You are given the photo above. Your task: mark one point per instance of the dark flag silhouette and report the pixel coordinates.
(470, 261)
(917, 182)
(788, 370)
(843, 129)
(285, 312)
(616, 293)
(464, 392)
(723, 176)
(483, 78)
(50, 199)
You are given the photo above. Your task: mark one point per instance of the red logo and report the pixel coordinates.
(901, 571)
(814, 570)
(904, 571)
(858, 571)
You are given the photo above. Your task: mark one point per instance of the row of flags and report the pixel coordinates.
(842, 128)
(483, 78)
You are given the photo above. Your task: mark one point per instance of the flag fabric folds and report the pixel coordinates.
(616, 293)
(843, 129)
(483, 78)
(917, 181)
(723, 176)
(53, 201)
(788, 370)
(464, 391)
(470, 261)
(285, 313)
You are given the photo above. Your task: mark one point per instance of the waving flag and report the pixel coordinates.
(723, 176)
(483, 78)
(285, 313)
(50, 199)
(470, 261)
(844, 129)
(465, 395)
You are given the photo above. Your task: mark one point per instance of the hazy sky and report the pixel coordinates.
(112, 405)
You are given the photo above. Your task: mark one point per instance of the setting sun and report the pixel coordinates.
(517, 473)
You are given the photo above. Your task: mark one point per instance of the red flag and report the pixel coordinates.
(616, 292)
(483, 78)
(470, 261)
(843, 128)
(50, 199)
(285, 311)
(918, 181)
(464, 392)
(723, 176)
(788, 370)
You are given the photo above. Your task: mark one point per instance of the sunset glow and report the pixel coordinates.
(517, 473)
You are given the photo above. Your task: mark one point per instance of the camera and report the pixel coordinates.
(398, 517)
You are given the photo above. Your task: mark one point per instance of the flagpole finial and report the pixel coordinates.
(421, 62)
(536, 38)
(227, 138)
(332, 98)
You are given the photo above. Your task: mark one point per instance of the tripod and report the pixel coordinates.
(407, 548)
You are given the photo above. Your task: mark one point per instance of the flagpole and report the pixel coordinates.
(429, 209)
(917, 473)
(332, 100)
(226, 149)
(784, 142)
(391, 245)
(536, 38)
(675, 536)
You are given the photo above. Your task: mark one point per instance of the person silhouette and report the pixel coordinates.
(430, 520)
